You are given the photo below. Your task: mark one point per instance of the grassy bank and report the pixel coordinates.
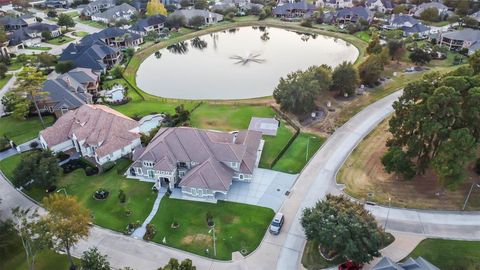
(20, 131)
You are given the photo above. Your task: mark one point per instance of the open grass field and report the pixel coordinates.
(299, 153)
(60, 40)
(108, 213)
(238, 227)
(449, 254)
(363, 35)
(365, 178)
(9, 164)
(21, 131)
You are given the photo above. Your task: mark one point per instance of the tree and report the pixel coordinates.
(173, 264)
(200, 4)
(46, 60)
(65, 21)
(474, 61)
(155, 7)
(419, 56)
(470, 22)
(51, 13)
(297, 93)
(92, 259)
(3, 35)
(371, 70)
(3, 70)
(32, 232)
(345, 79)
(176, 21)
(116, 72)
(46, 35)
(41, 167)
(396, 49)
(430, 14)
(29, 84)
(344, 228)
(400, 9)
(374, 47)
(395, 160)
(453, 154)
(64, 66)
(152, 36)
(196, 21)
(67, 220)
(185, 3)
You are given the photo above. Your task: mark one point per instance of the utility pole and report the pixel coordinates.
(470, 192)
(388, 213)
(214, 240)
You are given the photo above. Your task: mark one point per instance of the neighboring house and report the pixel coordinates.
(30, 35)
(154, 23)
(476, 16)
(293, 10)
(408, 25)
(240, 5)
(335, 4)
(199, 162)
(94, 131)
(12, 23)
(29, 18)
(353, 15)
(97, 7)
(58, 3)
(410, 264)
(114, 14)
(116, 37)
(442, 9)
(92, 54)
(62, 97)
(379, 5)
(210, 17)
(461, 39)
(83, 78)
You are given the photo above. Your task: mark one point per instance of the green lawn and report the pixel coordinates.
(109, 213)
(44, 49)
(274, 145)
(9, 164)
(297, 156)
(363, 35)
(238, 227)
(60, 40)
(4, 80)
(312, 260)
(21, 131)
(80, 33)
(449, 254)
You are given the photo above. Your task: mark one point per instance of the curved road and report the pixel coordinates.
(283, 251)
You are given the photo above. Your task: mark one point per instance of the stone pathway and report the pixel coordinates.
(140, 231)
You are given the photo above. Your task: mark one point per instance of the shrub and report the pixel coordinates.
(108, 166)
(34, 144)
(306, 22)
(4, 144)
(122, 196)
(62, 156)
(89, 171)
(150, 233)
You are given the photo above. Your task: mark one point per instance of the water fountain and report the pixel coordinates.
(250, 57)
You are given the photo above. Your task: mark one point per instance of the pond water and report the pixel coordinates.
(238, 63)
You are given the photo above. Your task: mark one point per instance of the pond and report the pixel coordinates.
(238, 63)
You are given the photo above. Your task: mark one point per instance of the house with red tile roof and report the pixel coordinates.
(94, 131)
(199, 162)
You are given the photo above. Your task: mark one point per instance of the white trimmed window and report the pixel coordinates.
(138, 171)
(151, 173)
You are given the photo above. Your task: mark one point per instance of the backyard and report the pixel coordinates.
(20, 131)
(60, 40)
(449, 254)
(238, 227)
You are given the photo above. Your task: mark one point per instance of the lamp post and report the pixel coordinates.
(308, 144)
(470, 192)
(64, 190)
(212, 230)
(388, 213)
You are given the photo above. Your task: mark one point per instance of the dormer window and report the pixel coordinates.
(148, 164)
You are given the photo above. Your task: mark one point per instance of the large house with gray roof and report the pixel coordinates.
(12, 23)
(408, 25)
(114, 14)
(154, 23)
(209, 17)
(200, 162)
(97, 7)
(462, 39)
(353, 15)
(293, 10)
(96, 132)
(30, 35)
(442, 9)
(379, 5)
(116, 37)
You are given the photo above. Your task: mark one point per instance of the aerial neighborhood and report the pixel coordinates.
(239, 134)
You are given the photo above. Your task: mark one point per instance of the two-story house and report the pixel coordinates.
(199, 162)
(154, 23)
(114, 14)
(97, 7)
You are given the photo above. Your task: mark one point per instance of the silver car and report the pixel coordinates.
(277, 223)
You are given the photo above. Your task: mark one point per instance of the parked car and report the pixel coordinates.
(277, 223)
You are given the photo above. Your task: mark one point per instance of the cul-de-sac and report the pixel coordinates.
(239, 134)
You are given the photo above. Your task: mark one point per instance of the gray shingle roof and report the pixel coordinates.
(61, 95)
(361, 12)
(287, 7)
(147, 22)
(466, 34)
(116, 11)
(410, 264)
(190, 13)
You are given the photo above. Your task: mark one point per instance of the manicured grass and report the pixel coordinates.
(80, 33)
(9, 164)
(449, 254)
(4, 80)
(21, 131)
(437, 24)
(312, 260)
(237, 226)
(60, 40)
(363, 35)
(297, 156)
(109, 213)
(274, 145)
(39, 48)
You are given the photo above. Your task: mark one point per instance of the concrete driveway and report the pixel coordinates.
(268, 189)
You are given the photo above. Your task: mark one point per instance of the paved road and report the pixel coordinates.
(5, 89)
(283, 251)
